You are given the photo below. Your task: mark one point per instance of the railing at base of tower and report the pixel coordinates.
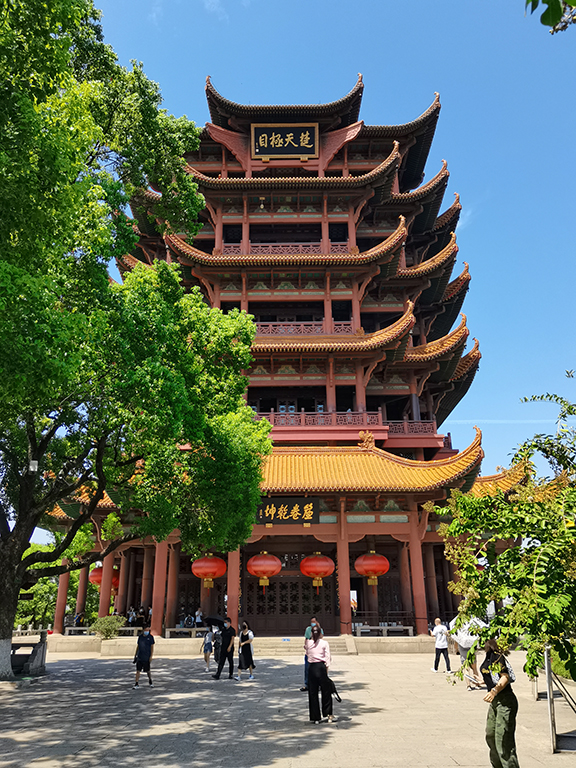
(236, 249)
(306, 328)
(348, 418)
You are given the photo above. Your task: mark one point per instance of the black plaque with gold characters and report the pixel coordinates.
(288, 511)
(284, 140)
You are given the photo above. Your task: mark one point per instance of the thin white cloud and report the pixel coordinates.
(156, 12)
(216, 7)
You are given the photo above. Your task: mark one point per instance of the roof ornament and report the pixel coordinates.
(208, 79)
(360, 77)
(367, 442)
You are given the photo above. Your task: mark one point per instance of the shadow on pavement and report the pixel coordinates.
(86, 713)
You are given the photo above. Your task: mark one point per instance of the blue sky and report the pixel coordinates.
(506, 127)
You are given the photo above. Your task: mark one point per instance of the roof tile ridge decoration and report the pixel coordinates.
(356, 343)
(385, 248)
(328, 107)
(489, 485)
(404, 128)
(434, 349)
(321, 182)
(358, 469)
(418, 194)
(458, 284)
(468, 362)
(151, 195)
(439, 261)
(130, 261)
(449, 213)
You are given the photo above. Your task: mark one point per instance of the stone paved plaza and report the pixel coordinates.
(395, 712)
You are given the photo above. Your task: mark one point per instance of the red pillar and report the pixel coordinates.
(431, 581)
(106, 585)
(356, 319)
(405, 583)
(233, 586)
(82, 590)
(131, 579)
(343, 556)
(360, 388)
(146, 595)
(120, 602)
(417, 570)
(172, 595)
(328, 321)
(330, 387)
(60, 612)
(159, 588)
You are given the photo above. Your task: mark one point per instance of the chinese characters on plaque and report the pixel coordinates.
(275, 511)
(284, 140)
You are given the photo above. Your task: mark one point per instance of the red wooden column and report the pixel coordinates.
(325, 244)
(431, 581)
(343, 556)
(356, 319)
(233, 586)
(82, 590)
(131, 579)
(351, 228)
(120, 602)
(328, 320)
(60, 612)
(146, 596)
(106, 585)
(360, 388)
(159, 588)
(330, 387)
(417, 571)
(405, 583)
(172, 594)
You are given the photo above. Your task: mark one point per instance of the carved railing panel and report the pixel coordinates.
(290, 329)
(235, 249)
(348, 418)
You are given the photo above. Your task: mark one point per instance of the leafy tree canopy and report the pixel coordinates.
(559, 14)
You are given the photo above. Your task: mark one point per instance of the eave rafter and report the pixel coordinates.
(444, 347)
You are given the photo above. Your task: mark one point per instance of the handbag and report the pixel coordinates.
(333, 690)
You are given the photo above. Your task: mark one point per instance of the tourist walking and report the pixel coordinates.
(228, 634)
(501, 720)
(207, 642)
(307, 636)
(465, 637)
(440, 633)
(198, 617)
(318, 655)
(143, 655)
(245, 659)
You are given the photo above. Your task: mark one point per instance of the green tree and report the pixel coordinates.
(135, 387)
(519, 550)
(559, 14)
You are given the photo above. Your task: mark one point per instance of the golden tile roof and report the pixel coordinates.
(435, 349)
(356, 344)
(457, 285)
(383, 253)
(359, 469)
(468, 362)
(490, 485)
(440, 261)
(449, 214)
(383, 172)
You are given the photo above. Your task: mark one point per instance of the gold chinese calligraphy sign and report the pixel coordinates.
(289, 511)
(282, 141)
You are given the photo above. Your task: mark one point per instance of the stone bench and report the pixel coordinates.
(365, 629)
(185, 631)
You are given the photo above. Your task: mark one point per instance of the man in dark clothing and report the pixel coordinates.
(143, 655)
(227, 634)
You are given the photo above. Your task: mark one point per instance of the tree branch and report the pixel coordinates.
(87, 559)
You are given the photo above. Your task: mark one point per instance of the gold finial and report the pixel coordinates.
(208, 79)
(360, 77)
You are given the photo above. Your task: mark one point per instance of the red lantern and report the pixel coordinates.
(209, 568)
(95, 576)
(372, 565)
(115, 578)
(264, 566)
(318, 567)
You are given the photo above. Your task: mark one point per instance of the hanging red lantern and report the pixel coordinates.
(115, 578)
(372, 565)
(264, 566)
(318, 567)
(95, 576)
(209, 568)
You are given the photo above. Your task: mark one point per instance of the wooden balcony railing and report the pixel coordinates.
(236, 249)
(348, 418)
(301, 329)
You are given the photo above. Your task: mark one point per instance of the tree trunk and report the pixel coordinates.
(10, 590)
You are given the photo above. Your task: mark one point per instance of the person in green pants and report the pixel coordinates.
(501, 720)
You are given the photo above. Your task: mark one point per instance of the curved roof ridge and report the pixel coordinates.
(354, 343)
(434, 349)
(385, 248)
(430, 186)
(436, 262)
(216, 99)
(449, 213)
(458, 284)
(320, 182)
(469, 361)
(474, 445)
(489, 485)
(403, 128)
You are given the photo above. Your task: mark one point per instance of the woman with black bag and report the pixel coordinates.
(318, 653)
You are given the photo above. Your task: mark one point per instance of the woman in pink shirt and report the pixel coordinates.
(318, 653)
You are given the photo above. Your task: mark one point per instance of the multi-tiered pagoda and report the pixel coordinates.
(323, 229)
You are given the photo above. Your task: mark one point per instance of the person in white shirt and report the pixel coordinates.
(318, 654)
(207, 641)
(466, 636)
(198, 617)
(440, 632)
